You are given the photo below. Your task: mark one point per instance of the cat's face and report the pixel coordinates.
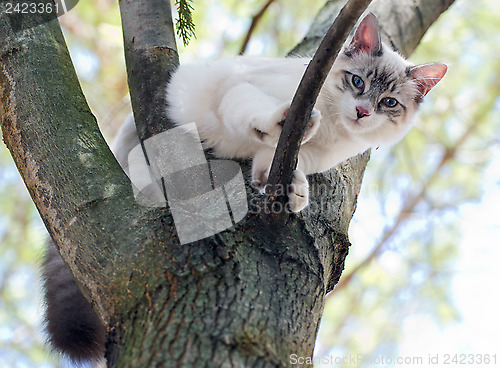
(379, 97)
(376, 91)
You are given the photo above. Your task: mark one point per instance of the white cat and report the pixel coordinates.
(369, 98)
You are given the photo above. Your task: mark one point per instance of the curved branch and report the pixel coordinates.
(255, 20)
(285, 158)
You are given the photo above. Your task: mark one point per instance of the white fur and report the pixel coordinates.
(231, 101)
(227, 99)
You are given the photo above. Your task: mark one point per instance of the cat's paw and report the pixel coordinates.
(298, 195)
(312, 126)
(269, 132)
(259, 179)
(261, 164)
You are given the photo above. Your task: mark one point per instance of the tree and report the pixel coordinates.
(249, 296)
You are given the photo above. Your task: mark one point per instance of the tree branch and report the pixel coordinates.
(255, 20)
(285, 159)
(151, 57)
(81, 193)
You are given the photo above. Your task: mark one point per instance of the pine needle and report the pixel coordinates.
(184, 22)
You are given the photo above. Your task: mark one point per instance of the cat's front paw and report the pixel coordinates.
(259, 179)
(312, 126)
(261, 164)
(269, 132)
(298, 195)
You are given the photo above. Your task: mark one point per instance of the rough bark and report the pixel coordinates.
(68, 169)
(151, 56)
(247, 297)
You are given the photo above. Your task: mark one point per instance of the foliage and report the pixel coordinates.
(222, 25)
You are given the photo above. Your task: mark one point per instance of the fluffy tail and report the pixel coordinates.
(73, 327)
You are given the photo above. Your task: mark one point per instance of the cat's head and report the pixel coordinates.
(377, 90)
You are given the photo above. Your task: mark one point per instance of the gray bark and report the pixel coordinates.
(247, 297)
(151, 56)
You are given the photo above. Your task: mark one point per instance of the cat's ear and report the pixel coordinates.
(366, 38)
(427, 76)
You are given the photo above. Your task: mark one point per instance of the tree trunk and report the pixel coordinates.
(247, 297)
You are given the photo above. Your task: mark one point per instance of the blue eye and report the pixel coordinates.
(358, 82)
(389, 102)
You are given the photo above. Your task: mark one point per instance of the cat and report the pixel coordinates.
(369, 98)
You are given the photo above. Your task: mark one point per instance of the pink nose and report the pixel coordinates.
(362, 112)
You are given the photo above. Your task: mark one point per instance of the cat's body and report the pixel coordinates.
(368, 99)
